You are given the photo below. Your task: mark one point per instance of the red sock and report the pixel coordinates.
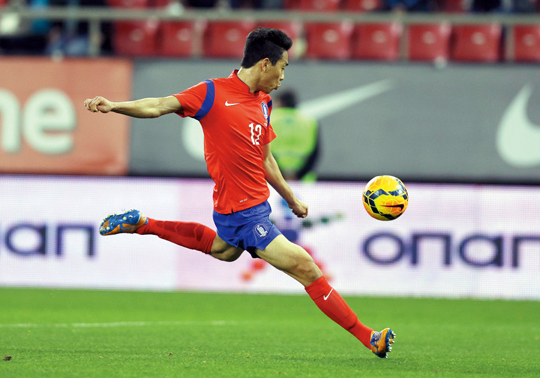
(334, 306)
(187, 234)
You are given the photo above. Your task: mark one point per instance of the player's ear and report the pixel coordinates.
(265, 64)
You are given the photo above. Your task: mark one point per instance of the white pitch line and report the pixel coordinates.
(120, 324)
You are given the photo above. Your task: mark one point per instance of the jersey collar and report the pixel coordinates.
(243, 87)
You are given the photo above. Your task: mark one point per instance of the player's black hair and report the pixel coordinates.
(265, 43)
(288, 98)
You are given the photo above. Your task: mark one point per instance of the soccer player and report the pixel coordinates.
(234, 113)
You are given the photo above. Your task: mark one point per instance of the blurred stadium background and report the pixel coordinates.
(443, 94)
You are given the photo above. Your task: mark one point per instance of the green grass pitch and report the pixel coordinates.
(83, 333)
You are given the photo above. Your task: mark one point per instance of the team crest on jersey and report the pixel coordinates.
(261, 230)
(265, 110)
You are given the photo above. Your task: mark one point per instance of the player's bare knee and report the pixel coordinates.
(306, 268)
(229, 255)
(232, 255)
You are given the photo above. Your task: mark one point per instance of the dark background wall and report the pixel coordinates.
(472, 123)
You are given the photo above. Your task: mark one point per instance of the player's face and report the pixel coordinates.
(274, 74)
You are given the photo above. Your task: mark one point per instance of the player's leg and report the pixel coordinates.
(186, 234)
(223, 251)
(296, 262)
(291, 259)
(193, 236)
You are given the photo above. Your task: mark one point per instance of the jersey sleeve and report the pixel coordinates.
(269, 136)
(191, 99)
(269, 104)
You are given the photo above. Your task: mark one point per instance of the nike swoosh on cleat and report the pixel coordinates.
(517, 137)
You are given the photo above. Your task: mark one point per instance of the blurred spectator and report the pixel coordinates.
(226, 4)
(297, 146)
(41, 27)
(201, 3)
(71, 37)
(410, 5)
(484, 6)
(67, 44)
(236, 4)
(525, 6)
(22, 36)
(53, 37)
(508, 6)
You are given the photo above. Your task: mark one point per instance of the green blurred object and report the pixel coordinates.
(296, 148)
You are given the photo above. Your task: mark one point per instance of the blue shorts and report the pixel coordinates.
(249, 229)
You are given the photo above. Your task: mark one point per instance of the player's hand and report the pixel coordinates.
(98, 104)
(299, 208)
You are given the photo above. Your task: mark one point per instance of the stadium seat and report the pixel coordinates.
(177, 39)
(135, 38)
(328, 40)
(226, 39)
(378, 41)
(312, 5)
(477, 43)
(291, 4)
(429, 42)
(319, 5)
(362, 5)
(128, 3)
(161, 3)
(292, 28)
(455, 6)
(527, 43)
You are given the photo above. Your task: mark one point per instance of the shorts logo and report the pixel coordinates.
(261, 231)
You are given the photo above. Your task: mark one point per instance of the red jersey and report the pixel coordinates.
(236, 125)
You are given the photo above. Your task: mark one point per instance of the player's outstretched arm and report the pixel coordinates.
(144, 108)
(275, 178)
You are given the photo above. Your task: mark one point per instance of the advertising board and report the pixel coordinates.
(44, 127)
(463, 123)
(452, 241)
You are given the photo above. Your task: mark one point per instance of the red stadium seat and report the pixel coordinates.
(477, 43)
(177, 39)
(292, 28)
(291, 4)
(429, 42)
(135, 38)
(527, 43)
(312, 5)
(162, 3)
(319, 5)
(226, 39)
(128, 3)
(455, 6)
(328, 40)
(363, 5)
(376, 41)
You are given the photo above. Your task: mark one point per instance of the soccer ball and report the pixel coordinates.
(385, 198)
